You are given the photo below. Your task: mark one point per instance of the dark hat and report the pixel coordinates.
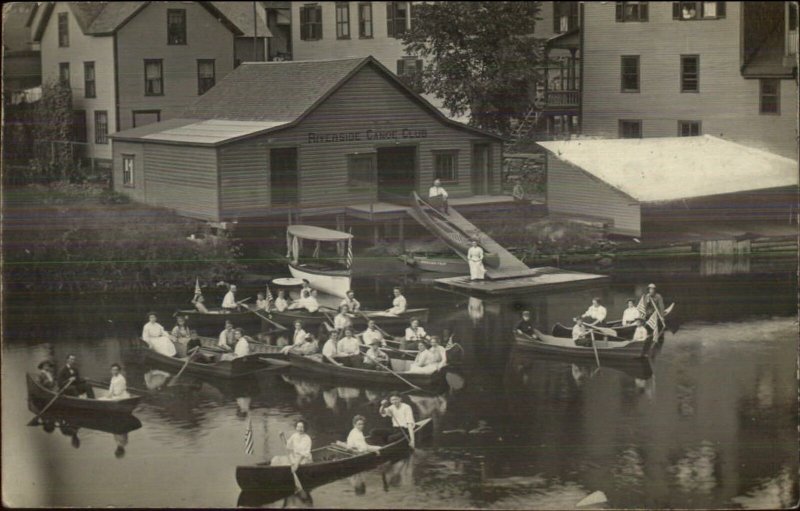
(45, 363)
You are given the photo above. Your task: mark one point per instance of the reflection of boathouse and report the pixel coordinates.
(317, 138)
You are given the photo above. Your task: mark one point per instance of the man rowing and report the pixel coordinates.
(375, 357)
(77, 386)
(229, 302)
(402, 420)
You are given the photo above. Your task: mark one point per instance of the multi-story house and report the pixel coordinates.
(21, 63)
(665, 69)
(134, 63)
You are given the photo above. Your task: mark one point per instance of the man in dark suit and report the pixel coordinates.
(79, 386)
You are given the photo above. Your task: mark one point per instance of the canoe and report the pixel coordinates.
(441, 264)
(315, 365)
(394, 348)
(216, 317)
(114, 423)
(330, 463)
(235, 368)
(450, 233)
(543, 343)
(39, 394)
(311, 319)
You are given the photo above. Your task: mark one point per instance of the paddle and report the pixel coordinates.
(381, 330)
(35, 420)
(594, 347)
(185, 365)
(394, 373)
(603, 330)
(297, 484)
(267, 319)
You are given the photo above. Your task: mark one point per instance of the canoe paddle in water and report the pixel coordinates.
(298, 486)
(35, 420)
(594, 347)
(173, 381)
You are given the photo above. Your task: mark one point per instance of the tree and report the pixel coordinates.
(54, 130)
(480, 58)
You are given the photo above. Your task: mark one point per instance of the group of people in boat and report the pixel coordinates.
(69, 382)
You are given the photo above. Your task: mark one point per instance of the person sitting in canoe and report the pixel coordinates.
(630, 314)
(78, 387)
(641, 333)
(298, 448)
(402, 420)
(180, 335)
(350, 300)
(198, 302)
(372, 334)
(525, 325)
(342, 320)
(118, 387)
(45, 377)
(579, 332)
(241, 346)
(195, 344)
(430, 358)
(374, 356)
(156, 337)
(596, 314)
(229, 302)
(226, 338)
(281, 304)
(415, 333)
(349, 349)
(307, 300)
(330, 349)
(301, 341)
(356, 440)
(399, 303)
(438, 352)
(262, 303)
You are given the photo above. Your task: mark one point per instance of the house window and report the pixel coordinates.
(689, 128)
(690, 73)
(63, 30)
(153, 77)
(361, 169)
(444, 166)
(630, 129)
(342, 20)
(100, 127)
(127, 170)
(565, 16)
(409, 66)
(769, 93)
(396, 18)
(142, 117)
(311, 22)
(698, 10)
(88, 80)
(365, 20)
(206, 76)
(176, 26)
(631, 11)
(63, 73)
(629, 72)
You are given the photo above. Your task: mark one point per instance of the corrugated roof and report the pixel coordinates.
(241, 15)
(666, 169)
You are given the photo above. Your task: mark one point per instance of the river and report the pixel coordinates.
(713, 424)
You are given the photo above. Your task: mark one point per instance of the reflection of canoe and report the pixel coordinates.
(288, 317)
(314, 365)
(438, 224)
(114, 423)
(441, 264)
(235, 368)
(39, 394)
(544, 343)
(329, 464)
(639, 368)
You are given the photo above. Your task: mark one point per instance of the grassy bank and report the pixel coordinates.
(84, 238)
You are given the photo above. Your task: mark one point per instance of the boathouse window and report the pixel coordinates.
(445, 166)
(769, 94)
(630, 128)
(698, 10)
(361, 169)
(206, 75)
(690, 73)
(311, 22)
(176, 26)
(396, 18)
(63, 30)
(342, 20)
(127, 170)
(100, 127)
(409, 66)
(629, 71)
(63, 72)
(153, 77)
(689, 128)
(88, 80)
(631, 11)
(365, 20)
(565, 16)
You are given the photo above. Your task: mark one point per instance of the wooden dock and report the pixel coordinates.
(540, 279)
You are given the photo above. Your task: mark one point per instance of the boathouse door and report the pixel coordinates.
(283, 176)
(481, 169)
(397, 173)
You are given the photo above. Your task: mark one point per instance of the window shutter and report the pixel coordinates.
(304, 23)
(401, 67)
(318, 22)
(720, 9)
(643, 11)
(676, 10)
(390, 19)
(619, 11)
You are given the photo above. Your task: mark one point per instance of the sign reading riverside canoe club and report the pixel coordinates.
(368, 135)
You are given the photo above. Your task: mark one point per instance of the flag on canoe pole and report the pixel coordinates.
(642, 308)
(349, 260)
(653, 323)
(197, 290)
(248, 438)
(269, 297)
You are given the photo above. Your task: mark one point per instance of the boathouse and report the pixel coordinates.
(625, 184)
(315, 138)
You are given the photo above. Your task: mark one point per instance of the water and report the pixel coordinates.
(713, 425)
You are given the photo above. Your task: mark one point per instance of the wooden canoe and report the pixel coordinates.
(394, 348)
(235, 368)
(311, 319)
(441, 264)
(216, 317)
(330, 463)
(39, 395)
(451, 234)
(543, 343)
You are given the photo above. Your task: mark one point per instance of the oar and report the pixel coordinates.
(381, 330)
(268, 320)
(596, 356)
(603, 330)
(35, 420)
(394, 373)
(297, 484)
(185, 365)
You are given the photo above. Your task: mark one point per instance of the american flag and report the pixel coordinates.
(248, 438)
(197, 291)
(349, 260)
(269, 297)
(642, 308)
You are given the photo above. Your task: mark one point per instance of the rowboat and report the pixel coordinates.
(558, 344)
(450, 233)
(330, 463)
(440, 264)
(329, 274)
(315, 364)
(310, 319)
(236, 368)
(40, 394)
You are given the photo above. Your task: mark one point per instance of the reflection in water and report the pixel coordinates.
(779, 492)
(696, 471)
(475, 310)
(629, 468)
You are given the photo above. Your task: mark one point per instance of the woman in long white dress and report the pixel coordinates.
(118, 387)
(156, 337)
(475, 260)
(298, 448)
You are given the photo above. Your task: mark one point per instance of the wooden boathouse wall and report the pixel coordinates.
(573, 192)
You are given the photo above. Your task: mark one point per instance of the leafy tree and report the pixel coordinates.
(53, 128)
(480, 57)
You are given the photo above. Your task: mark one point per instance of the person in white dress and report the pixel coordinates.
(475, 260)
(329, 349)
(399, 303)
(641, 333)
(229, 302)
(372, 334)
(281, 304)
(241, 347)
(630, 314)
(595, 314)
(356, 440)
(349, 344)
(298, 448)
(579, 331)
(156, 337)
(262, 303)
(199, 304)
(299, 338)
(342, 320)
(118, 387)
(437, 195)
(226, 338)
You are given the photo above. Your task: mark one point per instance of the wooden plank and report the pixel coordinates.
(545, 278)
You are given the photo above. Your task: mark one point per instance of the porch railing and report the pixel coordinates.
(563, 98)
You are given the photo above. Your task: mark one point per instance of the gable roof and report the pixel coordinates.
(241, 15)
(674, 168)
